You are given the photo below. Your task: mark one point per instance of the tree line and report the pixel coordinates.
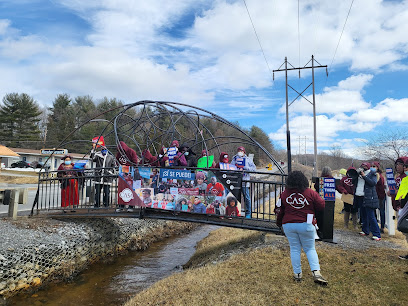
(24, 124)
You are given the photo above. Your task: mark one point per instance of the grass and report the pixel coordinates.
(264, 276)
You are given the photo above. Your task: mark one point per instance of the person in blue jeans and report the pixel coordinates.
(365, 197)
(296, 215)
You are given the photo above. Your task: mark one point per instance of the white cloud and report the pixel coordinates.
(345, 97)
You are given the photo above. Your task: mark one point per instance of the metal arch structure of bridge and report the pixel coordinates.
(149, 126)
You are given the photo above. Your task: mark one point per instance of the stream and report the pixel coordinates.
(115, 282)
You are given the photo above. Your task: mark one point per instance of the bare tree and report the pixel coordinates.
(387, 145)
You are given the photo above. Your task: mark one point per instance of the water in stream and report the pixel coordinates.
(115, 282)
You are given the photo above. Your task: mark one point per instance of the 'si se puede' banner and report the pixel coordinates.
(177, 174)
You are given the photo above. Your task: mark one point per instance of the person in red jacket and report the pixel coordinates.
(215, 188)
(298, 206)
(224, 162)
(232, 209)
(346, 187)
(126, 157)
(380, 188)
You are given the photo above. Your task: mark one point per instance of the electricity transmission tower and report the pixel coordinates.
(300, 94)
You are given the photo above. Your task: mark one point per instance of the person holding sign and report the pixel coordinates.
(244, 163)
(400, 174)
(402, 196)
(224, 162)
(205, 161)
(299, 205)
(346, 188)
(365, 198)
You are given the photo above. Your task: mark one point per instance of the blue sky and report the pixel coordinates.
(205, 53)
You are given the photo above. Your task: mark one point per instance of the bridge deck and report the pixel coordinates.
(150, 213)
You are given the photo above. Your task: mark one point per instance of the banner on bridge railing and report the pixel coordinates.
(198, 191)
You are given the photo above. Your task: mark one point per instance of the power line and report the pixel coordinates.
(299, 32)
(338, 43)
(256, 34)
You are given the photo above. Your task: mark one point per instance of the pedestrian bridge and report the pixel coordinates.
(157, 185)
(263, 192)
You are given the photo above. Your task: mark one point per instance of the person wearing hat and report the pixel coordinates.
(244, 163)
(346, 187)
(68, 178)
(366, 199)
(189, 155)
(200, 183)
(175, 157)
(224, 161)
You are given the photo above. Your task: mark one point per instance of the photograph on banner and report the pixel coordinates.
(182, 190)
(164, 201)
(146, 195)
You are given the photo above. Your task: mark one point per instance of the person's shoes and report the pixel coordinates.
(119, 210)
(297, 277)
(319, 279)
(376, 238)
(248, 216)
(363, 234)
(382, 231)
(403, 257)
(130, 210)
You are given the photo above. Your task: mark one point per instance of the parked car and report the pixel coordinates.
(20, 164)
(38, 165)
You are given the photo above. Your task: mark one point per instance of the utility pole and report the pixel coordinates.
(300, 94)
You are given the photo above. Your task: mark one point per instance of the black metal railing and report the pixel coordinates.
(83, 188)
(95, 192)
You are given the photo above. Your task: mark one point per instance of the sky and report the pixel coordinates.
(214, 55)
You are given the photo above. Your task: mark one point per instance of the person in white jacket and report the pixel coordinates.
(244, 163)
(104, 164)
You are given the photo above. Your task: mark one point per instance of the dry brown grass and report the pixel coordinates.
(8, 179)
(264, 276)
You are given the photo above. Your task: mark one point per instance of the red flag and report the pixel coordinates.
(99, 141)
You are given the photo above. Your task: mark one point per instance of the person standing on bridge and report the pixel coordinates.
(68, 178)
(104, 172)
(243, 162)
(126, 157)
(297, 216)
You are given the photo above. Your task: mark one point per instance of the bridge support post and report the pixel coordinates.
(23, 196)
(13, 206)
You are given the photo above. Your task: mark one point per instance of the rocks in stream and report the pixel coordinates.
(51, 250)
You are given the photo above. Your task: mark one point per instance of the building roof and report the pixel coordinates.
(37, 152)
(6, 152)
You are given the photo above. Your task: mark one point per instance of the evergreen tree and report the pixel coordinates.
(19, 117)
(61, 120)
